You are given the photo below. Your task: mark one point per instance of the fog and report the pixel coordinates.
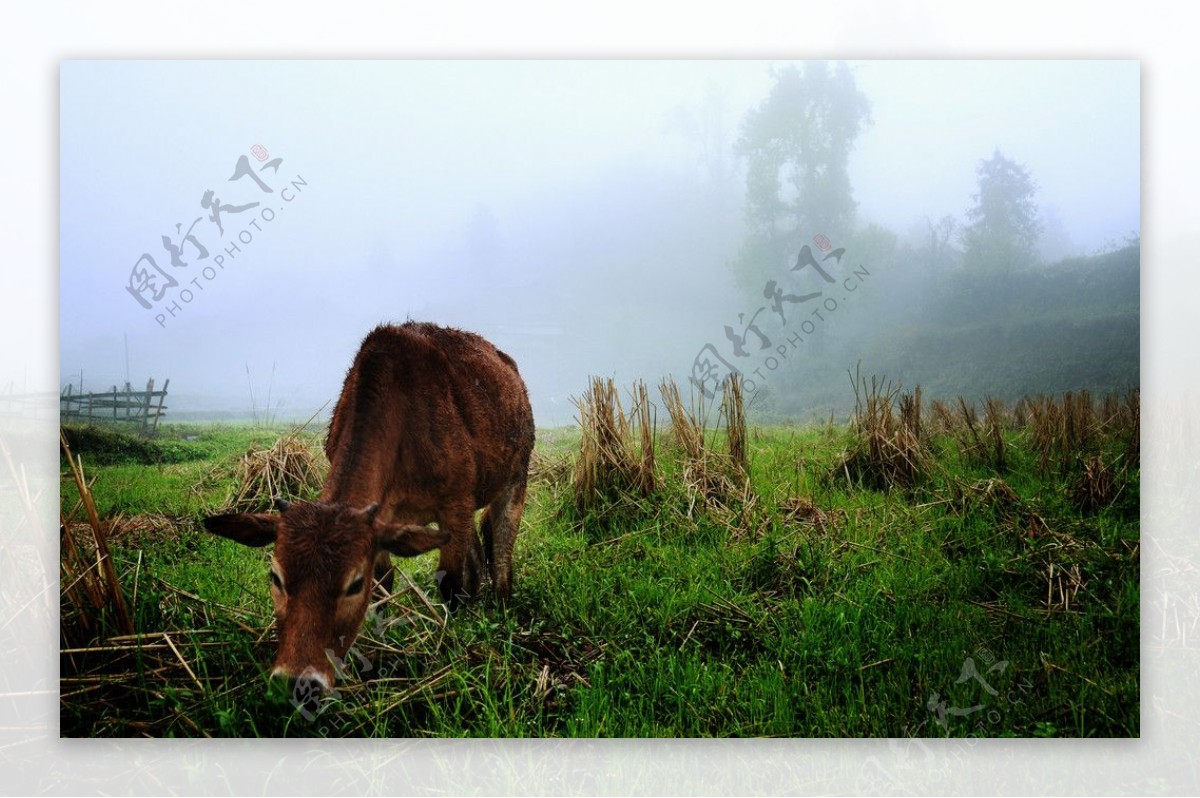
(587, 217)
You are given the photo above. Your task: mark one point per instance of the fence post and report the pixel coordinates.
(162, 396)
(146, 409)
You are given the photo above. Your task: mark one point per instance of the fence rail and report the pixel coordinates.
(126, 405)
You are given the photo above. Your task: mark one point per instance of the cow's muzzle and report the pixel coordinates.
(306, 688)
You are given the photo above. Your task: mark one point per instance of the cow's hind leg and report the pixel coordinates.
(500, 524)
(461, 558)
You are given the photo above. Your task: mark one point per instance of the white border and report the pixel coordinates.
(38, 36)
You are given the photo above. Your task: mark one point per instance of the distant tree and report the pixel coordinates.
(797, 143)
(1003, 224)
(1055, 242)
(707, 128)
(938, 250)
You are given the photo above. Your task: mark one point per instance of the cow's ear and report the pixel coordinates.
(409, 540)
(249, 529)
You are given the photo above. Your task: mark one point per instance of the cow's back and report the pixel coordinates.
(436, 410)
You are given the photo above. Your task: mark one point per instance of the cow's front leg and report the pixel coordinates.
(384, 574)
(461, 558)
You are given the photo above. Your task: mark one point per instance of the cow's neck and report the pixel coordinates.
(364, 436)
(360, 473)
(353, 485)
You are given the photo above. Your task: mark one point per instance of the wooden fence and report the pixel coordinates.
(126, 405)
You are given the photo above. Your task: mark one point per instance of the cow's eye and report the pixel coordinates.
(355, 587)
(275, 580)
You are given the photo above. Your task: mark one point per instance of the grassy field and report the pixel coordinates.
(991, 590)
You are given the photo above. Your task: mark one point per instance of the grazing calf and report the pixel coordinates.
(432, 424)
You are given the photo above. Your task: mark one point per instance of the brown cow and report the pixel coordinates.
(432, 424)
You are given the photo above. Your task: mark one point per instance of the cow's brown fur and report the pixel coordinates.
(432, 424)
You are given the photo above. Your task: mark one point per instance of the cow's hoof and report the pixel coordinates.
(454, 593)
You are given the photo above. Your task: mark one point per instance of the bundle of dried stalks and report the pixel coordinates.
(982, 441)
(1096, 487)
(717, 480)
(993, 420)
(1133, 426)
(605, 466)
(1079, 421)
(1020, 413)
(292, 468)
(643, 422)
(910, 411)
(734, 412)
(1064, 431)
(1111, 408)
(1046, 420)
(91, 589)
(687, 429)
(970, 441)
(887, 451)
(943, 422)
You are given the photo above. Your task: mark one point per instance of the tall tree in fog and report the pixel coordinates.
(706, 128)
(938, 252)
(1003, 224)
(797, 143)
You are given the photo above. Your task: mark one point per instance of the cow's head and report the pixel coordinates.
(322, 575)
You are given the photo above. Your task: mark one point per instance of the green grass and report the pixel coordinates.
(662, 617)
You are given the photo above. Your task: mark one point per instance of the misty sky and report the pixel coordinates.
(562, 209)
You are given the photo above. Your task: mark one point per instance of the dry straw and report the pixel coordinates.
(687, 428)
(643, 422)
(1096, 487)
(90, 584)
(1133, 426)
(609, 465)
(910, 412)
(943, 422)
(717, 480)
(617, 453)
(887, 451)
(1066, 432)
(292, 467)
(734, 412)
(993, 421)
